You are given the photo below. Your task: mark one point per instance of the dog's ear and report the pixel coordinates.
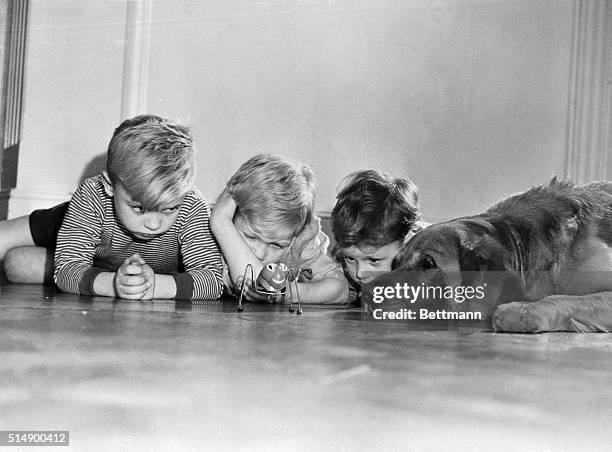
(472, 254)
(399, 259)
(482, 252)
(485, 260)
(481, 256)
(471, 261)
(402, 257)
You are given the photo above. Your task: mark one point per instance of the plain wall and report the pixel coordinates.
(72, 95)
(467, 98)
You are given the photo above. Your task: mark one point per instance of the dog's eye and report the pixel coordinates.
(427, 262)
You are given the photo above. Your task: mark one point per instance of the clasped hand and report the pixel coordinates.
(135, 280)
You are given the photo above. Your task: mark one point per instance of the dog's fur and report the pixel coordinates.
(554, 239)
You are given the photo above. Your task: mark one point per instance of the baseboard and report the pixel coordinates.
(22, 202)
(4, 202)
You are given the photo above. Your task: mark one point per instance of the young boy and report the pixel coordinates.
(138, 231)
(266, 215)
(374, 216)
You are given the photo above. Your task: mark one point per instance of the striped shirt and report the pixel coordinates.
(92, 240)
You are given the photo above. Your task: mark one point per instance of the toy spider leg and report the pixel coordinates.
(240, 306)
(292, 278)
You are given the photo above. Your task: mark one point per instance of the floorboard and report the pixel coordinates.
(167, 375)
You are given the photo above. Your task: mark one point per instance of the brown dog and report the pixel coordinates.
(554, 239)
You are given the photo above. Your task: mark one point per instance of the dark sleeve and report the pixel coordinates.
(45, 224)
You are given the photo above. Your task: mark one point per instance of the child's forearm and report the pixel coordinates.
(237, 254)
(104, 285)
(323, 291)
(165, 287)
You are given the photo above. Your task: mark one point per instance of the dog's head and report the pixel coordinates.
(467, 252)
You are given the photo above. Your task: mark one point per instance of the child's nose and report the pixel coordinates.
(259, 250)
(360, 270)
(152, 222)
(363, 271)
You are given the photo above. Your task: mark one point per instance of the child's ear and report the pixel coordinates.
(108, 185)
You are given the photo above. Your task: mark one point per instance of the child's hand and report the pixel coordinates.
(250, 294)
(133, 280)
(150, 275)
(224, 209)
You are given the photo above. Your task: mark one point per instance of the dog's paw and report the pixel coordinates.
(520, 317)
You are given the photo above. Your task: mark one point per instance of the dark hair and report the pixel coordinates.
(374, 208)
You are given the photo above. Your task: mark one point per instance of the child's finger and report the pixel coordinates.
(134, 280)
(133, 269)
(252, 295)
(249, 293)
(134, 291)
(126, 262)
(132, 296)
(238, 285)
(136, 259)
(225, 205)
(225, 196)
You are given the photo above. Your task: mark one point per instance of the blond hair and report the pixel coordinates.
(153, 159)
(274, 194)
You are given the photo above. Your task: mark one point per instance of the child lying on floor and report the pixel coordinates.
(138, 231)
(374, 215)
(266, 215)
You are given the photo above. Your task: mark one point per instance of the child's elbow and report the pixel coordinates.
(64, 282)
(219, 290)
(340, 292)
(63, 285)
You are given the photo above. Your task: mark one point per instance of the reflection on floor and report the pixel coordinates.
(179, 376)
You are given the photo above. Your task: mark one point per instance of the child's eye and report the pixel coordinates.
(137, 208)
(374, 260)
(171, 209)
(248, 236)
(278, 246)
(349, 260)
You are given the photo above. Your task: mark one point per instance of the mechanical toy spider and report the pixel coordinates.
(273, 281)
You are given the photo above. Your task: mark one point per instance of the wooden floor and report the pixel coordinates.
(168, 376)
